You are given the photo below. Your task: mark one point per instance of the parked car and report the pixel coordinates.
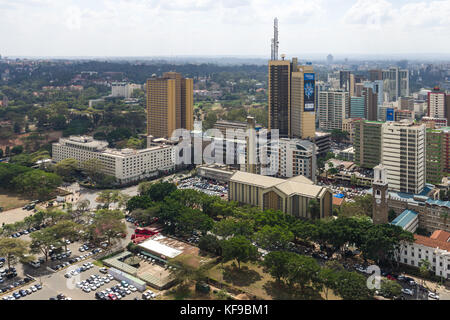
(433, 296)
(408, 292)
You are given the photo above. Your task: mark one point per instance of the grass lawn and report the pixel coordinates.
(10, 200)
(251, 279)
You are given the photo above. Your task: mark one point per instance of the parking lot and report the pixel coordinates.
(57, 283)
(206, 186)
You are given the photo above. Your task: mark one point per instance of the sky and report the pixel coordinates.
(222, 27)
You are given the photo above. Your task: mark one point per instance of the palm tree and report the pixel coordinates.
(424, 269)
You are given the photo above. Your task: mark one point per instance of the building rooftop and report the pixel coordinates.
(295, 185)
(405, 218)
(432, 243)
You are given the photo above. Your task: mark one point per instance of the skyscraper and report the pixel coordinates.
(169, 104)
(291, 95)
(371, 104)
(403, 155)
(396, 83)
(367, 143)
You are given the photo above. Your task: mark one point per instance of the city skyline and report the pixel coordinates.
(238, 27)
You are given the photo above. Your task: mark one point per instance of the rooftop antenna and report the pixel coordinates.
(275, 40)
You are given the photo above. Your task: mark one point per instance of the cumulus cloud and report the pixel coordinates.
(373, 13)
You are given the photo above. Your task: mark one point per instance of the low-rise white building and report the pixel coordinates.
(123, 89)
(125, 165)
(435, 249)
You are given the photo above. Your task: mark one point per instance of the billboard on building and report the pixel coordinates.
(309, 81)
(390, 114)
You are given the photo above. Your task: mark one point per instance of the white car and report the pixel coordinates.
(33, 288)
(433, 296)
(128, 291)
(408, 292)
(132, 288)
(87, 289)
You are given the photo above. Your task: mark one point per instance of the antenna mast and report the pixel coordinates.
(274, 44)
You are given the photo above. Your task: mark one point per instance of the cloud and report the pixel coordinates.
(373, 13)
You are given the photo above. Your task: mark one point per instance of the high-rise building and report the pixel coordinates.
(330, 59)
(357, 107)
(371, 104)
(403, 155)
(344, 80)
(395, 83)
(169, 104)
(291, 95)
(437, 103)
(367, 143)
(279, 91)
(375, 75)
(332, 109)
(437, 154)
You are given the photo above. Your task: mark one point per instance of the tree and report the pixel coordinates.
(37, 183)
(231, 226)
(424, 269)
(13, 250)
(158, 191)
(303, 270)
(67, 169)
(67, 230)
(193, 219)
(146, 216)
(211, 244)
(107, 225)
(276, 264)
(43, 240)
(82, 207)
(352, 286)
(390, 288)
(17, 150)
(108, 196)
(270, 237)
(328, 277)
(240, 249)
(139, 202)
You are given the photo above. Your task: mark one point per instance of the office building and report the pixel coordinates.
(437, 154)
(290, 196)
(357, 107)
(395, 83)
(125, 165)
(169, 104)
(403, 155)
(332, 109)
(371, 104)
(375, 75)
(291, 99)
(344, 80)
(367, 143)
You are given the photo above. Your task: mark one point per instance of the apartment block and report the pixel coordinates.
(332, 109)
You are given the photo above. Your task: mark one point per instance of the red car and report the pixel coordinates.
(112, 296)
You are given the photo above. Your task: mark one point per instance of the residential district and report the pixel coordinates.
(121, 180)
